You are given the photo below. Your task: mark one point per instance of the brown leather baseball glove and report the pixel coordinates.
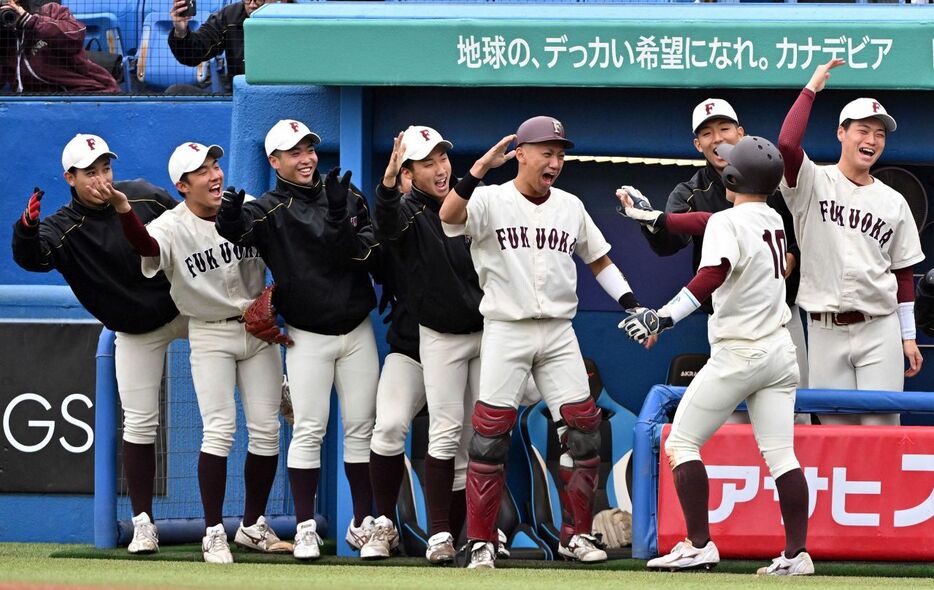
(260, 319)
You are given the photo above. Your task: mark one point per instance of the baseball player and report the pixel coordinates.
(860, 292)
(714, 122)
(444, 295)
(524, 234)
(83, 242)
(317, 240)
(752, 358)
(213, 282)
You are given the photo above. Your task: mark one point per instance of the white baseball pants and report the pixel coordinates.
(224, 354)
(350, 363)
(140, 360)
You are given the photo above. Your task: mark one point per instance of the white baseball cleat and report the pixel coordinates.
(684, 556)
(214, 545)
(357, 537)
(582, 548)
(502, 551)
(260, 537)
(440, 548)
(145, 536)
(480, 555)
(383, 539)
(307, 541)
(799, 565)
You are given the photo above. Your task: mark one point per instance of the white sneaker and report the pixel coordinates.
(307, 541)
(480, 555)
(583, 548)
(260, 537)
(382, 540)
(440, 548)
(502, 552)
(357, 537)
(685, 556)
(800, 565)
(214, 545)
(145, 536)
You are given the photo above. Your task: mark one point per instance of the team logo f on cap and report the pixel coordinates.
(541, 129)
(712, 108)
(286, 134)
(420, 141)
(865, 108)
(83, 150)
(191, 156)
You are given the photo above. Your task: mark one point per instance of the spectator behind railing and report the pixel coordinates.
(222, 32)
(42, 50)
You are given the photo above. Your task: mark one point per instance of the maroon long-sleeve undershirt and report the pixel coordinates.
(137, 235)
(792, 133)
(707, 279)
(906, 285)
(692, 224)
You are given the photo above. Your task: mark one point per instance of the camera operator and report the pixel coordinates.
(222, 32)
(42, 50)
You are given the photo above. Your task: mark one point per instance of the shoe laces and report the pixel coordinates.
(380, 532)
(217, 542)
(481, 552)
(144, 531)
(308, 537)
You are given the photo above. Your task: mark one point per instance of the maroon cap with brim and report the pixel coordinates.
(541, 129)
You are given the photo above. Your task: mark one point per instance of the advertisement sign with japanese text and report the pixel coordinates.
(871, 494)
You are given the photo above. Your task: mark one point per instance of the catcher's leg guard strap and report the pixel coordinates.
(580, 488)
(484, 492)
(492, 425)
(582, 438)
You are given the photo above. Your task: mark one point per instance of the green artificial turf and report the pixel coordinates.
(180, 567)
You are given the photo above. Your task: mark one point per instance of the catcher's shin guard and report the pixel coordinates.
(486, 473)
(579, 486)
(581, 442)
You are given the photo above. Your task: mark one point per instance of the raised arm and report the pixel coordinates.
(389, 216)
(796, 121)
(30, 249)
(454, 209)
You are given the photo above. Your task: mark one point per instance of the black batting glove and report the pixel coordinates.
(30, 216)
(337, 193)
(231, 203)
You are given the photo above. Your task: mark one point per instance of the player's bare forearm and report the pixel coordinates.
(454, 209)
(913, 354)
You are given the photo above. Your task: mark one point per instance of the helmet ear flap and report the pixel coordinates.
(732, 178)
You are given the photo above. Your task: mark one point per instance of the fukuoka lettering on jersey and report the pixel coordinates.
(523, 251)
(870, 225)
(750, 304)
(211, 278)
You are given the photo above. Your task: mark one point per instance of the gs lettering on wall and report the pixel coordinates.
(871, 494)
(47, 380)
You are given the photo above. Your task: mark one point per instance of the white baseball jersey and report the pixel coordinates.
(211, 278)
(868, 229)
(522, 251)
(750, 304)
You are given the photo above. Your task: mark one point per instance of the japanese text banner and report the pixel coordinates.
(586, 53)
(871, 494)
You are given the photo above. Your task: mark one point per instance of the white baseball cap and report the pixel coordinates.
(712, 108)
(83, 150)
(286, 134)
(864, 108)
(190, 156)
(420, 141)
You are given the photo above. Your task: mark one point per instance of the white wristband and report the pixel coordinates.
(681, 305)
(906, 318)
(613, 282)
